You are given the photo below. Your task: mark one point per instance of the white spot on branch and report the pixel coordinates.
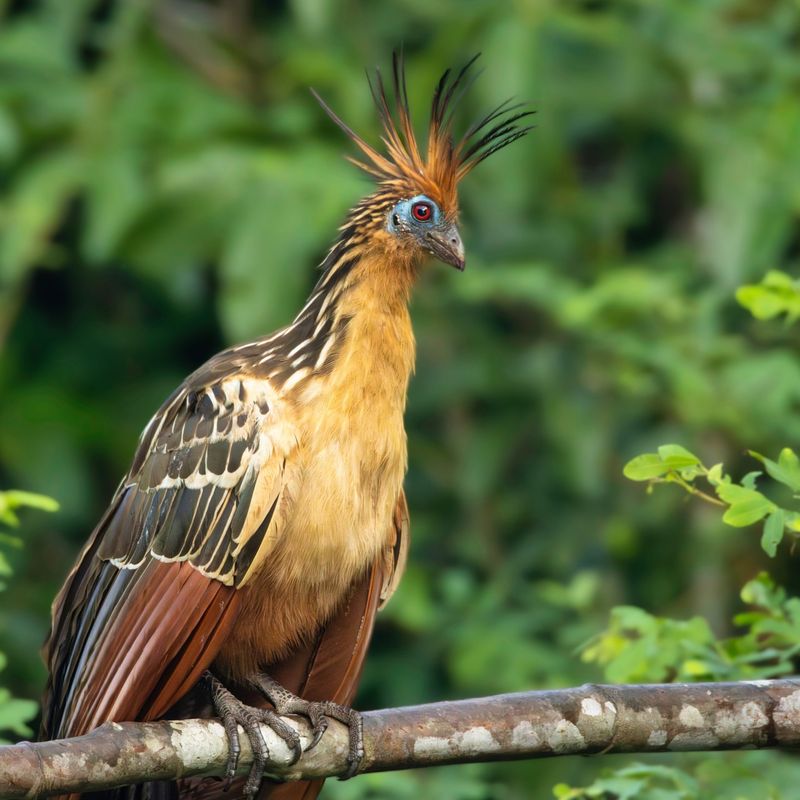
(563, 736)
(740, 725)
(524, 736)
(195, 747)
(427, 746)
(475, 740)
(691, 717)
(657, 738)
(467, 743)
(788, 706)
(591, 707)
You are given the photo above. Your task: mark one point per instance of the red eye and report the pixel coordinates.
(422, 212)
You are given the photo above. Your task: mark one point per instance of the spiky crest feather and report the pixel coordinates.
(446, 160)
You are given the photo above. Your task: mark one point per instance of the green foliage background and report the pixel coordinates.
(167, 184)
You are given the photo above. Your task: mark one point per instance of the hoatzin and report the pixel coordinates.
(240, 564)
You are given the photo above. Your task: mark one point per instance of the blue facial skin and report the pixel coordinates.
(435, 235)
(402, 221)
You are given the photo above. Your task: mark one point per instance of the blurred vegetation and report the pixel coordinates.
(166, 185)
(15, 712)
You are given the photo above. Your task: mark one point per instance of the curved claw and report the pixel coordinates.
(352, 769)
(319, 726)
(296, 753)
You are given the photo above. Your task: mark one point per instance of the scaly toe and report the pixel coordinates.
(286, 732)
(317, 714)
(319, 723)
(252, 785)
(356, 754)
(233, 712)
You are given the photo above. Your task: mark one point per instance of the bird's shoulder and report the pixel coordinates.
(227, 399)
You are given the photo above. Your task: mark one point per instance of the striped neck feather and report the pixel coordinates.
(359, 260)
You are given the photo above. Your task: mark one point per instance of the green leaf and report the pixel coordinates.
(645, 467)
(762, 591)
(749, 480)
(696, 668)
(18, 499)
(790, 464)
(15, 712)
(12, 500)
(791, 519)
(690, 473)
(676, 457)
(777, 294)
(746, 505)
(746, 512)
(785, 471)
(561, 791)
(773, 532)
(7, 516)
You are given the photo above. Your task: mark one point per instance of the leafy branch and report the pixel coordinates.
(639, 646)
(744, 503)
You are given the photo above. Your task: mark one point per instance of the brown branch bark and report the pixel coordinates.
(583, 720)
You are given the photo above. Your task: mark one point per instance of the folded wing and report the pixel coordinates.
(153, 595)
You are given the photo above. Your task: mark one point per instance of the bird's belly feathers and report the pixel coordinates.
(342, 504)
(345, 505)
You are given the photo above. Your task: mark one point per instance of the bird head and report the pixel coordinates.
(419, 223)
(415, 207)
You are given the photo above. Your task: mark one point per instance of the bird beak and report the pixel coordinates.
(446, 245)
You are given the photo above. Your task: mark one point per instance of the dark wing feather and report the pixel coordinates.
(153, 594)
(209, 471)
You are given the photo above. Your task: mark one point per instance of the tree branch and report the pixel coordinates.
(586, 719)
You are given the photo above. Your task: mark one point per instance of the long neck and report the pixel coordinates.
(357, 312)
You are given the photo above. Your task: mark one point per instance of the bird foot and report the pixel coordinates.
(317, 714)
(233, 712)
